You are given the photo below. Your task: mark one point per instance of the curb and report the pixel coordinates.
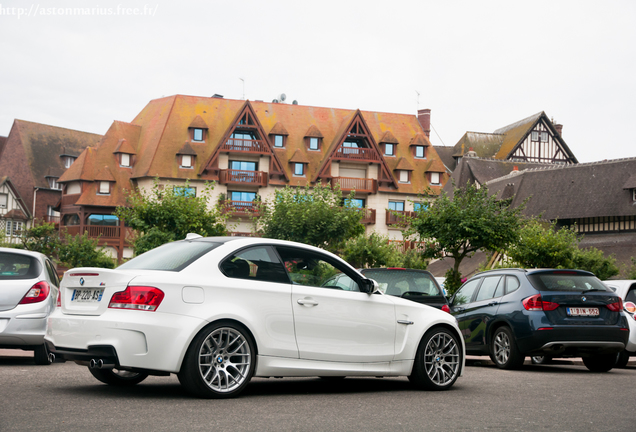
(576, 361)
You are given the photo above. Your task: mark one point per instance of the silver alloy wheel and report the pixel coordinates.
(502, 347)
(224, 359)
(441, 359)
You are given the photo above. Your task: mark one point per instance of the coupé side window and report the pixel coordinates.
(257, 263)
(313, 269)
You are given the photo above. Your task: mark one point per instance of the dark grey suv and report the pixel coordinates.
(513, 313)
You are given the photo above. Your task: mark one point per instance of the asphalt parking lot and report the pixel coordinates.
(563, 396)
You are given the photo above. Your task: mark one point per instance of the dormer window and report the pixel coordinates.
(419, 151)
(187, 161)
(404, 176)
(435, 178)
(198, 135)
(299, 169)
(53, 184)
(279, 141)
(103, 188)
(68, 161)
(314, 143)
(389, 149)
(125, 160)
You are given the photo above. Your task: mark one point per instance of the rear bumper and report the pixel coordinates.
(575, 341)
(24, 331)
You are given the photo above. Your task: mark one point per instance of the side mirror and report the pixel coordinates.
(368, 286)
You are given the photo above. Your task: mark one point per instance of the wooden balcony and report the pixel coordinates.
(244, 146)
(241, 208)
(405, 245)
(361, 185)
(239, 177)
(94, 231)
(369, 216)
(394, 217)
(358, 154)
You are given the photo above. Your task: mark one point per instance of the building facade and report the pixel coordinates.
(250, 149)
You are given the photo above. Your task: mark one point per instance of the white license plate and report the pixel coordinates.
(88, 295)
(583, 312)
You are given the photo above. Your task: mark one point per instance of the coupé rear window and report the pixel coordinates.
(566, 281)
(170, 257)
(18, 266)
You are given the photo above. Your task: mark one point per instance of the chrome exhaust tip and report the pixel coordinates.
(51, 358)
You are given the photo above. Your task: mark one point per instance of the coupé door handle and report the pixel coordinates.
(493, 303)
(307, 302)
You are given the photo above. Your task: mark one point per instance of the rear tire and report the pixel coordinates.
(119, 378)
(220, 361)
(503, 350)
(438, 360)
(600, 363)
(41, 355)
(621, 359)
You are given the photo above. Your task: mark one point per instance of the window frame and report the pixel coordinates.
(4, 197)
(122, 156)
(182, 159)
(415, 148)
(396, 202)
(439, 178)
(388, 146)
(302, 169)
(100, 187)
(534, 136)
(318, 142)
(408, 176)
(193, 135)
(282, 138)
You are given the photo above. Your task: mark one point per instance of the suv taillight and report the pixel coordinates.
(138, 298)
(616, 306)
(38, 292)
(59, 299)
(535, 303)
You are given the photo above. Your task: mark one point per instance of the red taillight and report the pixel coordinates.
(630, 307)
(38, 292)
(59, 299)
(535, 303)
(138, 298)
(445, 308)
(616, 306)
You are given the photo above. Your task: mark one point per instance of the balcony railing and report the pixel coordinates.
(395, 217)
(94, 231)
(362, 185)
(244, 145)
(404, 245)
(255, 178)
(369, 216)
(241, 208)
(357, 154)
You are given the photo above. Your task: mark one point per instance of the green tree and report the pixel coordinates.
(83, 251)
(168, 213)
(593, 260)
(373, 250)
(42, 238)
(541, 247)
(631, 271)
(471, 221)
(315, 216)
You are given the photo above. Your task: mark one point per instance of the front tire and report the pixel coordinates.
(118, 378)
(438, 360)
(600, 363)
(503, 350)
(220, 361)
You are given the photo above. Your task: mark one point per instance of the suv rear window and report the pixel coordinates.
(566, 281)
(170, 257)
(18, 266)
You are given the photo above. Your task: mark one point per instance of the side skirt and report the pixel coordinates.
(288, 367)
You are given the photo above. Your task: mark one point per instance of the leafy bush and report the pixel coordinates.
(593, 260)
(82, 251)
(371, 251)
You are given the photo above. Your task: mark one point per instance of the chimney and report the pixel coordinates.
(424, 117)
(559, 129)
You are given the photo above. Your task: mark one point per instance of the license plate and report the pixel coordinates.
(583, 312)
(89, 295)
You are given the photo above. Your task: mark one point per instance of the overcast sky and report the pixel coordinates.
(478, 65)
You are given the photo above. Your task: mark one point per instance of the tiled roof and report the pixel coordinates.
(159, 131)
(572, 191)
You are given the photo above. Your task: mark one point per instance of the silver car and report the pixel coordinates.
(28, 294)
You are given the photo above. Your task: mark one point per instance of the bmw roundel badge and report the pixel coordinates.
(82, 281)
(584, 298)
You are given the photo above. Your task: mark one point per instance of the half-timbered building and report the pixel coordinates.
(14, 214)
(251, 148)
(532, 140)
